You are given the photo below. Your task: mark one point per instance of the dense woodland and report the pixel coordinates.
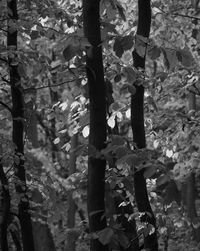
(99, 125)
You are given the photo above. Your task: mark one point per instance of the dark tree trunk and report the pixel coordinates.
(71, 238)
(137, 123)
(97, 137)
(5, 209)
(190, 183)
(18, 131)
(31, 128)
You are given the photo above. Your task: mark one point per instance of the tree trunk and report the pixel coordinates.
(137, 123)
(71, 239)
(31, 128)
(97, 137)
(18, 131)
(190, 182)
(5, 209)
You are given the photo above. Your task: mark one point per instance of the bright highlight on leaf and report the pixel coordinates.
(169, 153)
(111, 121)
(56, 141)
(86, 131)
(128, 113)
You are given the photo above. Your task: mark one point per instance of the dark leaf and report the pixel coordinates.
(117, 78)
(162, 180)
(106, 235)
(34, 34)
(127, 42)
(118, 48)
(149, 171)
(154, 53)
(69, 52)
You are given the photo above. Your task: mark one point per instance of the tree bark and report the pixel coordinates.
(97, 137)
(71, 239)
(137, 123)
(18, 130)
(5, 209)
(190, 182)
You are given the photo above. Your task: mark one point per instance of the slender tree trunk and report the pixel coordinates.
(5, 209)
(190, 182)
(18, 130)
(97, 137)
(31, 128)
(71, 239)
(137, 123)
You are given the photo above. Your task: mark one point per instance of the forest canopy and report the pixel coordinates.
(99, 125)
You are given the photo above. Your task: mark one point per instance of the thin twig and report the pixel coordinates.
(50, 86)
(177, 14)
(6, 106)
(4, 60)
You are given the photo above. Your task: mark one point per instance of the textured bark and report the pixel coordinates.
(190, 183)
(18, 131)
(97, 137)
(5, 209)
(31, 128)
(71, 239)
(137, 123)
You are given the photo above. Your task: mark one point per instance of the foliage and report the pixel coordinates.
(51, 64)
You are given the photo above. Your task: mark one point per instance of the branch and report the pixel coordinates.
(4, 60)
(50, 86)
(4, 79)
(177, 14)
(6, 106)
(188, 16)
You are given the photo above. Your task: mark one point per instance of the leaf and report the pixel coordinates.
(84, 120)
(154, 53)
(111, 11)
(162, 180)
(142, 39)
(117, 78)
(114, 106)
(141, 50)
(141, 45)
(56, 141)
(123, 240)
(105, 235)
(172, 193)
(109, 27)
(132, 89)
(86, 131)
(128, 87)
(111, 121)
(34, 34)
(118, 48)
(130, 74)
(127, 42)
(121, 152)
(149, 171)
(185, 57)
(69, 52)
(117, 140)
(170, 58)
